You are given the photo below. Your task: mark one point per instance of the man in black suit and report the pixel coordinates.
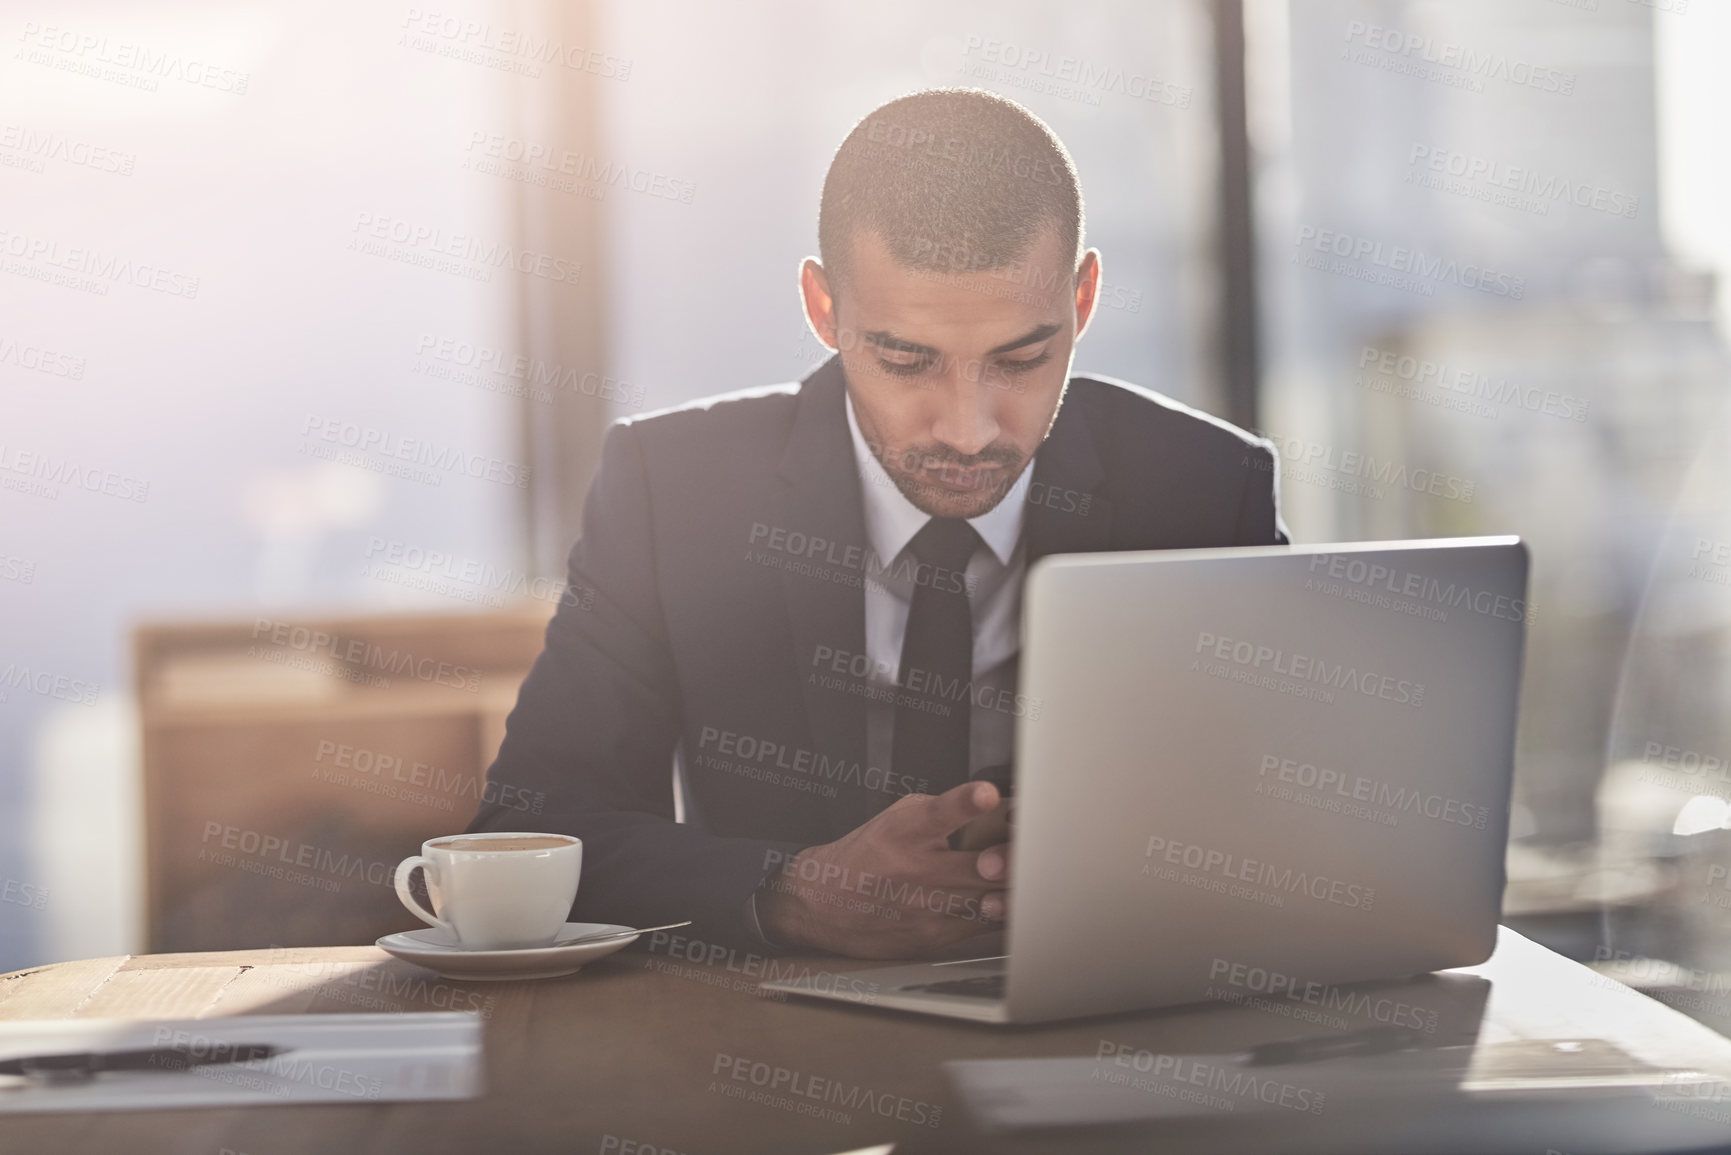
(807, 596)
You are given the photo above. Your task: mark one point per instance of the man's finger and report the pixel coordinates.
(993, 863)
(953, 809)
(957, 870)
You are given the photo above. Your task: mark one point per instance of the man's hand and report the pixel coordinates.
(893, 888)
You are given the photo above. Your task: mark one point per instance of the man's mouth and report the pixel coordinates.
(956, 479)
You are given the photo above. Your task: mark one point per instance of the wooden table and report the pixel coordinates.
(634, 1055)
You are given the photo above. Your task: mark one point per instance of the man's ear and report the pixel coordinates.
(819, 302)
(1087, 290)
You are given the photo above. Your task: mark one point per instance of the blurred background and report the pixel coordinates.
(311, 319)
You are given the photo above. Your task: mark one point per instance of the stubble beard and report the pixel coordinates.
(943, 501)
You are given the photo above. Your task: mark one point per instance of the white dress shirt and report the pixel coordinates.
(994, 579)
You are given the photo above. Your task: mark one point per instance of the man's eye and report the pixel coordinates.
(904, 368)
(1026, 363)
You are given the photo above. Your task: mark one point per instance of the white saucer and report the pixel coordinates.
(437, 950)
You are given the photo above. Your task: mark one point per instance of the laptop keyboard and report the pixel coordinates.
(978, 987)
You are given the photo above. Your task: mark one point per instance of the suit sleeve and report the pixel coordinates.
(1259, 520)
(588, 750)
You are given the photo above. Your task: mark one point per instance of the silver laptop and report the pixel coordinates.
(1246, 770)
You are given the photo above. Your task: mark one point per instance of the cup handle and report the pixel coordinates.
(405, 869)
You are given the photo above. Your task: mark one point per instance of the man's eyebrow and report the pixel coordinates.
(885, 340)
(1032, 338)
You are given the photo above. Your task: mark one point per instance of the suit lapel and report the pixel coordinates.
(822, 498)
(1068, 510)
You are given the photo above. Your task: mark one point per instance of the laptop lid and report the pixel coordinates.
(1246, 771)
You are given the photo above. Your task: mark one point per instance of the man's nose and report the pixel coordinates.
(966, 420)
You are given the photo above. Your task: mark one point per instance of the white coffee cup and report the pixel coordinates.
(496, 891)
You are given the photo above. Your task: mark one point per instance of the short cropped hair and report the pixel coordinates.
(955, 179)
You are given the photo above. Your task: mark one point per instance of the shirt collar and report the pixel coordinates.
(892, 520)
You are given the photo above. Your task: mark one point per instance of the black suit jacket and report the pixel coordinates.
(715, 591)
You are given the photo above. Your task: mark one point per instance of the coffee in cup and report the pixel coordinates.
(499, 842)
(496, 891)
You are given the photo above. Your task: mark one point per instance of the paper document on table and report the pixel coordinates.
(129, 1065)
(1587, 1092)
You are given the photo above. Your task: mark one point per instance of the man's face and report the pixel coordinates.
(956, 376)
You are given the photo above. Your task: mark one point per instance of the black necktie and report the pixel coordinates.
(934, 699)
